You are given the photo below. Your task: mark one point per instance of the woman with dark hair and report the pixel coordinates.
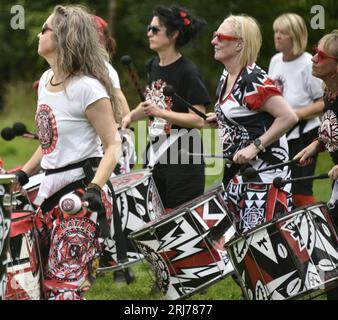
(77, 110)
(178, 178)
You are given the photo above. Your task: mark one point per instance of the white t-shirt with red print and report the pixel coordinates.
(65, 134)
(297, 84)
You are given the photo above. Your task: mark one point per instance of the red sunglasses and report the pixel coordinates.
(322, 55)
(224, 37)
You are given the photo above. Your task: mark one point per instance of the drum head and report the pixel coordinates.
(124, 182)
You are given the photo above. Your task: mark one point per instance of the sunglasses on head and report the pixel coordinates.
(322, 55)
(224, 37)
(154, 29)
(45, 28)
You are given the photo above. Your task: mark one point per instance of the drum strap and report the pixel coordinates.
(92, 161)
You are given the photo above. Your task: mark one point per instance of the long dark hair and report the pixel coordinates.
(177, 18)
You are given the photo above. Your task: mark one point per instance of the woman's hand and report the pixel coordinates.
(126, 121)
(211, 120)
(246, 154)
(333, 173)
(151, 109)
(306, 155)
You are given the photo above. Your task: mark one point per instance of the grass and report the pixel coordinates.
(20, 106)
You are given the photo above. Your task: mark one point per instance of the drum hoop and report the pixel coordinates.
(264, 225)
(145, 172)
(7, 178)
(176, 213)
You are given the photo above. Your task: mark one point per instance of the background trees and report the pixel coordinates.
(128, 18)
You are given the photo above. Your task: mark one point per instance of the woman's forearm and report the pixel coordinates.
(32, 166)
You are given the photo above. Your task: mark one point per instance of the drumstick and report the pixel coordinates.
(279, 182)
(216, 156)
(170, 91)
(251, 173)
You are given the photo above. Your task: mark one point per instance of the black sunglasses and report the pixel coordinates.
(45, 28)
(154, 29)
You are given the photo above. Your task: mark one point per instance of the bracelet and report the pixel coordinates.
(94, 186)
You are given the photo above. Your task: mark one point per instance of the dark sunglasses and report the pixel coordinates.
(224, 37)
(45, 28)
(154, 29)
(321, 54)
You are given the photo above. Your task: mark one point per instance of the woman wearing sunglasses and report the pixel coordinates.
(325, 67)
(76, 111)
(177, 178)
(291, 69)
(252, 118)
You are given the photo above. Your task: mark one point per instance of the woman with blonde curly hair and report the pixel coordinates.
(76, 111)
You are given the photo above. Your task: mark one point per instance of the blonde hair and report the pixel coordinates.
(330, 43)
(294, 25)
(78, 49)
(247, 29)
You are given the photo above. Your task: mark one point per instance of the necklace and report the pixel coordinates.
(54, 84)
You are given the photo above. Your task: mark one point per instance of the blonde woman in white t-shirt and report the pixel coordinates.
(291, 69)
(76, 111)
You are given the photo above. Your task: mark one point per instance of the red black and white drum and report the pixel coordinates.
(138, 202)
(177, 245)
(23, 279)
(5, 221)
(30, 190)
(293, 256)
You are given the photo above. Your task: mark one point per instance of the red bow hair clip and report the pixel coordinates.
(184, 15)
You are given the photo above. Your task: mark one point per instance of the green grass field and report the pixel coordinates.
(18, 151)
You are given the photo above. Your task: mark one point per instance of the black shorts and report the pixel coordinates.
(302, 187)
(179, 183)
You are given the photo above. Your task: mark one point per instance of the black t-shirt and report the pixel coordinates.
(186, 81)
(328, 131)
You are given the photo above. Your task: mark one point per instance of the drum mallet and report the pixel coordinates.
(127, 61)
(279, 182)
(71, 204)
(169, 91)
(8, 134)
(251, 173)
(227, 160)
(20, 130)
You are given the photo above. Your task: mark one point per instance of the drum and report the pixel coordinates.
(138, 202)
(23, 263)
(180, 250)
(294, 256)
(5, 205)
(28, 195)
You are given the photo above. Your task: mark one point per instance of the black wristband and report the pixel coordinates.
(94, 186)
(22, 177)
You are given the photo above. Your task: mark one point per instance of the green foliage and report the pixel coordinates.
(19, 59)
